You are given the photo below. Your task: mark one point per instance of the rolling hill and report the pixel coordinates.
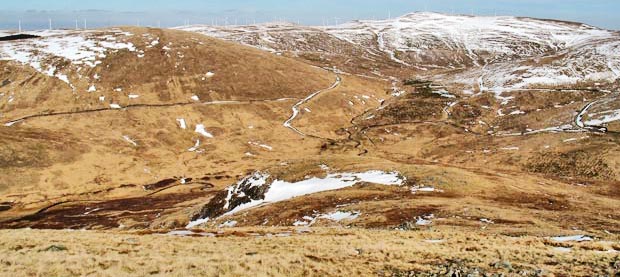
(427, 126)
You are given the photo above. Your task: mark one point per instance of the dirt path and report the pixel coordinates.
(582, 125)
(136, 106)
(288, 123)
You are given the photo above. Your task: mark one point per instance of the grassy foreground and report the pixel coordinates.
(295, 252)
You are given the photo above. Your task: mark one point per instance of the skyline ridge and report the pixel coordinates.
(83, 23)
(35, 13)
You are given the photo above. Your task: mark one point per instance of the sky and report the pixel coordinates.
(35, 14)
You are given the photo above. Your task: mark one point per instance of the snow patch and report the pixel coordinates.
(434, 241)
(282, 190)
(228, 224)
(265, 146)
(444, 93)
(200, 128)
(182, 123)
(84, 48)
(511, 148)
(339, 215)
(195, 147)
(416, 189)
(608, 117)
(577, 238)
(197, 222)
(9, 124)
(423, 222)
(128, 139)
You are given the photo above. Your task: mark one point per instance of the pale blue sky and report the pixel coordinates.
(35, 13)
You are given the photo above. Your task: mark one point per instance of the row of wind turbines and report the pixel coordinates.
(225, 21)
(19, 25)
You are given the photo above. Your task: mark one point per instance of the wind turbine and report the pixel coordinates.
(19, 24)
(50, 21)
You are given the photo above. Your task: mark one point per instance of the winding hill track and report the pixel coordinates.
(135, 106)
(288, 123)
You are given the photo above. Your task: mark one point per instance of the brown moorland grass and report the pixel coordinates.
(298, 252)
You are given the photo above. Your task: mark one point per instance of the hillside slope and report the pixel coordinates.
(370, 124)
(81, 70)
(515, 52)
(120, 114)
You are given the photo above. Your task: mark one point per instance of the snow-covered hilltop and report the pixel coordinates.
(477, 37)
(492, 53)
(272, 37)
(58, 53)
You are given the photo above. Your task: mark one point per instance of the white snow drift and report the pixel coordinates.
(282, 190)
(79, 48)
